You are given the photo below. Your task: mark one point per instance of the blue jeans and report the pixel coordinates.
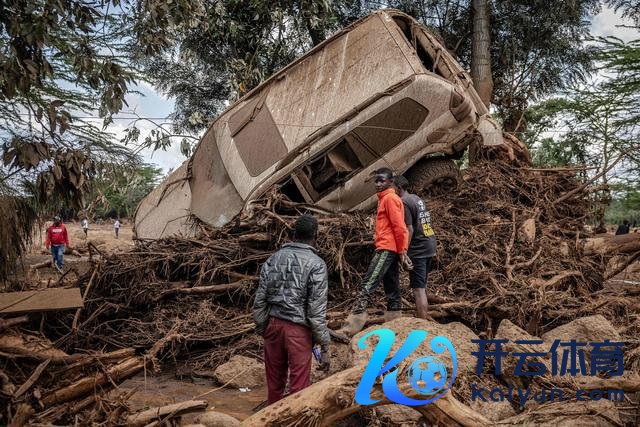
(57, 252)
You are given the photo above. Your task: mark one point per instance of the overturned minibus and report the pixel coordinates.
(381, 92)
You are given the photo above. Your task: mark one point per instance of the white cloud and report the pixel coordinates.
(609, 23)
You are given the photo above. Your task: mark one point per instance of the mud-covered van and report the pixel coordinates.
(382, 92)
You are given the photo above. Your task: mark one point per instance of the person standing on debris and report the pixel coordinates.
(623, 228)
(56, 239)
(391, 241)
(290, 311)
(116, 226)
(85, 226)
(422, 243)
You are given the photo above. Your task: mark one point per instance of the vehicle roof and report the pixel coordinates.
(314, 50)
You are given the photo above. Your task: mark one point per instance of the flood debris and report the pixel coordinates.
(185, 301)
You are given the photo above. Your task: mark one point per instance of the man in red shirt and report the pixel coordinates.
(391, 241)
(57, 238)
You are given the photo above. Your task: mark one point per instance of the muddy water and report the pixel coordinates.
(165, 389)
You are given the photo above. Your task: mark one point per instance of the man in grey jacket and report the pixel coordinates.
(290, 311)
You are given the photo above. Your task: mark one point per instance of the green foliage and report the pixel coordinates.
(628, 9)
(230, 46)
(117, 190)
(625, 206)
(59, 60)
(227, 49)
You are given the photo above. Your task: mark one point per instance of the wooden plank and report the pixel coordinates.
(43, 300)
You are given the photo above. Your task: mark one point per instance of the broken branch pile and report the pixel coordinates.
(510, 247)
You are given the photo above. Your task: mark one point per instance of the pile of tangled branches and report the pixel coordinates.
(509, 247)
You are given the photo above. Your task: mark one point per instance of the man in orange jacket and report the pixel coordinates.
(391, 240)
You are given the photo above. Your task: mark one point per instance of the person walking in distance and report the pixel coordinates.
(422, 243)
(391, 238)
(290, 311)
(116, 226)
(85, 226)
(56, 239)
(623, 228)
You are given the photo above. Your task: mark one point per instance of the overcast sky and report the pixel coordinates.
(151, 103)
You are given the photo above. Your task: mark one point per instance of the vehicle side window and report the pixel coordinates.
(257, 137)
(387, 129)
(361, 147)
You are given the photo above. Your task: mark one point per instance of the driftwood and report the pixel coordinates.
(32, 379)
(121, 371)
(163, 413)
(42, 264)
(628, 384)
(22, 415)
(609, 244)
(7, 323)
(326, 402)
(208, 289)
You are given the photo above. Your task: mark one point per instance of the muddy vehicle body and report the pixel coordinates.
(381, 93)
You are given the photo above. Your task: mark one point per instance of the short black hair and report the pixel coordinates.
(401, 182)
(384, 171)
(305, 228)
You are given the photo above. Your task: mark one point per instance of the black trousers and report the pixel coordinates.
(385, 268)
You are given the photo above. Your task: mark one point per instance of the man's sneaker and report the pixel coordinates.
(58, 268)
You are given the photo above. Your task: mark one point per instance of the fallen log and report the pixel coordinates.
(163, 413)
(122, 370)
(606, 244)
(328, 401)
(7, 323)
(208, 289)
(621, 265)
(629, 385)
(125, 369)
(41, 265)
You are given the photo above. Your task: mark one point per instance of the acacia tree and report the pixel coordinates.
(120, 188)
(528, 49)
(59, 61)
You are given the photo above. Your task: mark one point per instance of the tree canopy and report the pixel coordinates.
(230, 46)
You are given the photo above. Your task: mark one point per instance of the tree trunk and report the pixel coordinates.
(481, 51)
(331, 400)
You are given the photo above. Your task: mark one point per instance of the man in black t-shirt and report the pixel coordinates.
(422, 243)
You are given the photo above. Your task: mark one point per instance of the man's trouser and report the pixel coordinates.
(383, 267)
(57, 252)
(287, 347)
(117, 230)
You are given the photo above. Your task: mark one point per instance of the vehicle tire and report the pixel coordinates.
(434, 176)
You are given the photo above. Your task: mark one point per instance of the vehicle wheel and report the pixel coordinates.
(434, 176)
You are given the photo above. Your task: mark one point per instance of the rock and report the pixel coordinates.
(495, 411)
(240, 372)
(527, 231)
(568, 414)
(586, 329)
(398, 415)
(459, 335)
(215, 419)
